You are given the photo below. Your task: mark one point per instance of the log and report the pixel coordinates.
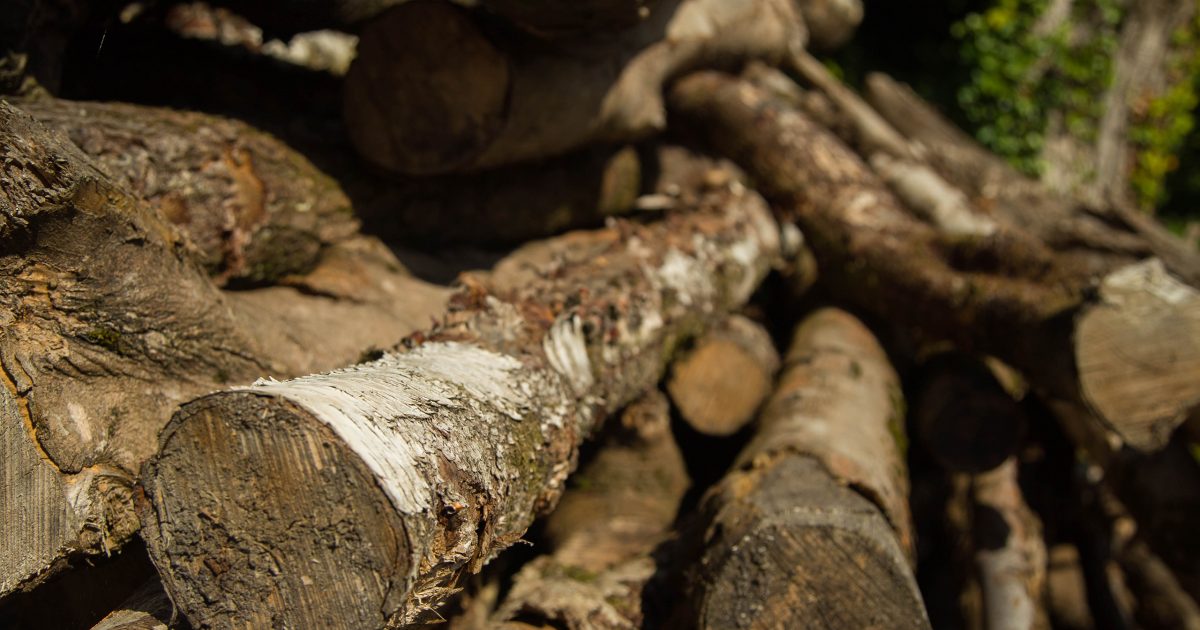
(146, 609)
(109, 322)
(1006, 294)
(831, 23)
(256, 210)
(616, 510)
(821, 484)
(359, 498)
(1010, 552)
(502, 207)
(1097, 234)
(719, 385)
(433, 91)
(964, 417)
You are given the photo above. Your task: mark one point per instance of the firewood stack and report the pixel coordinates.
(562, 314)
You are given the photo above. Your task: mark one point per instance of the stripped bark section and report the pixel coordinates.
(465, 438)
(778, 530)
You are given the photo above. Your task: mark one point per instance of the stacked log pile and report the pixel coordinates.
(597, 314)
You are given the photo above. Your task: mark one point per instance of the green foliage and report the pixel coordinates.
(1162, 126)
(1018, 76)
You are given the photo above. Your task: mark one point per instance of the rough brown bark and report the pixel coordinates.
(778, 530)
(255, 210)
(721, 382)
(618, 508)
(401, 475)
(109, 322)
(1002, 291)
(432, 91)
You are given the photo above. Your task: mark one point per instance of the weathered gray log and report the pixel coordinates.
(616, 510)
(1009, 552)
(778, 530)
(146, 609)
(1006, 292)
(109, 322)
(432, 91)
(963, 416)
(721, 382)
(360, 497)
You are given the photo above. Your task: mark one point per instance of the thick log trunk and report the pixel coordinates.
(255, 210)
(432, 91)
(1003, 292)
(409, 472)
(776, 531)
(620, 506)
(110, 322)
(700, 384)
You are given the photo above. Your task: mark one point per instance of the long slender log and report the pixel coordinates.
(432, 91)
(998, 293)
(360, 497)
(777, 531)
(1010, 552)
(1063, 223)
(109, 322)
(618, 508)
(701, 386)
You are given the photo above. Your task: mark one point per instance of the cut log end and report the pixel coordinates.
(721, 383)
(411, 106)
(1138, 354)
(267, 542)
(809, 551)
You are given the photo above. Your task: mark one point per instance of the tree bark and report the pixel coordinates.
(109, 322)
(401, 475)
(1009, 552)
(456, 97)
(776, 532)
(701, 386)
(1004, 293)
(618, 508)
(255, 210)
